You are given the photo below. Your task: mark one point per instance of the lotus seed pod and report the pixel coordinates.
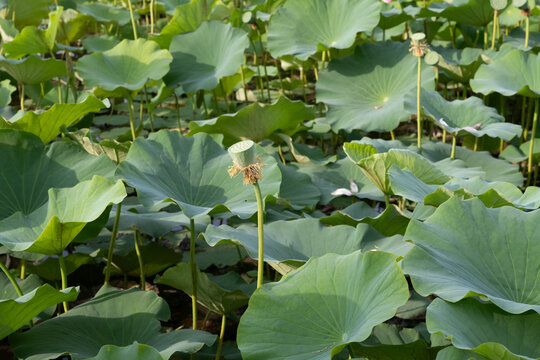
(498, 4)
(520, 4)
(417, 37)
(243, 153)
(248, 18)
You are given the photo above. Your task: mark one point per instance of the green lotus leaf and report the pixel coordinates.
(49, 229)
(134, 351)
(187, 17)
(460, 117)
(516, 38)
(392, 16)
(486, 329)
(465, 249)
(74, 26)
(106, 13)
(329, 178)
(128, 65)
(33, 69)
(471, 12)
(521, 153)
(299, 27)
(112, 317)
(193, 173)
(297, 240)
(50, 268)
(16, 312)
(33, 40)
(49, 124)
(376, 167)
(209, 294)
(257, 121)
(202, 57)
(459, 64)
(6, 89)
(100, 43)
(296, 190)
(34, 169)
(452, 353)
(366, 90)
(29, 12)
(388, 342)
(317, 319)
(513, 73)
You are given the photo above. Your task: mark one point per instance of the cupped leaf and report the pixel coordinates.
(300, 27)
(317, 319)
(465, 249)
(366, 90)
(49, 124)
(34, 169)
(257, 121)
(460, 117)
(128, 65)
(49, 229)
(297, 239)
(29, 12)
(486, 329)
(106, 13)
(33, 69)
(18, 311)
(193, 173)
(202, 57)
(209, 294)
(113, 317)
(517, 72)
(470, 12)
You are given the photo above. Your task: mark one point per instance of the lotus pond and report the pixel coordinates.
(269, 179)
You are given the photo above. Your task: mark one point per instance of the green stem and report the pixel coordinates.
(23, 269)
(260, 222)
(418, 116)
(151, 16)
(131, 117)
(531, 145)
(177, 113)
(221, 336)
(132, 19)
(387, 200)
(225, 97)
(242, 76)
(475, 148)
(494, 35)
(148, 110)
(453, 152)
(527, 30)
(11, 279)
(21, 95)
(444, 136)
(264, 64)
(111, 245)
(193, 267)
(136, 238)
(523, 108)
(63, 274)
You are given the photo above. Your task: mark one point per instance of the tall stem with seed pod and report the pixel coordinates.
(418, 48)
(245, 161)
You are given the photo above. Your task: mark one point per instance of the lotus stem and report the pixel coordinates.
(193, 267)
(21, 95)
(494, 35)
(523, 108)
(527, 30)
(221, 336)
(392, 135)
(531, 145)
(453, 152)
(11, 279)
(23, 269)
(260, 222)
(63, 274)
(242, 76)
(177, 113)
(131, 117)
(264, 64)
(475, 148)
(151, 16)
(302, 77)
(132, 19)
(148, 110)
(418, 115)
(136, 238)
(225, 96)
(444, 136)
(111, 244)
(387, 200)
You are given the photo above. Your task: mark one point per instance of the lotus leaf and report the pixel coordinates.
(301, 27)
(202, 57)
(193, 173)
(486, 329)
(49, 124)
(100, 43)
(128, 65)
(465, 249)
(6, 89)
(366, 90)
(49, 269)
(29, 12)
(112, 317)
(317, 319)
(33, 69)
(134, 351)
(106, 13)
(297, 190)
(470, 12)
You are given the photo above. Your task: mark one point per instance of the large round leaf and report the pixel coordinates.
(49, 229)
(30, 12)
(204, 56)
(257, 121)
(106, 12)
(33, 69)
(366, 90)
(301, 26)
(34, 169)
(192, 172)
(298, 239)
(470, 12)
(113, 317)
(486, 329)
(465, 249)
(128, 65)
(314, 312)
(517, 72)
